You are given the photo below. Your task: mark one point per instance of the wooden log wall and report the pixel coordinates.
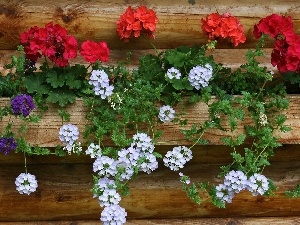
(64, 197)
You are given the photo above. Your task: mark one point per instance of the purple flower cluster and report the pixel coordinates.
(99, 79)
(7, 144)
(177, 158)
(236, 181)
(199, 76)
(22, 105)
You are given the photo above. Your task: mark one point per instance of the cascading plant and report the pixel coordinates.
(126, 106)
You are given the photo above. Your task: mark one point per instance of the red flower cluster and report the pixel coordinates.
(52, 41)
(141, 20)
(286, 51)
(92, 51)
(216, 25)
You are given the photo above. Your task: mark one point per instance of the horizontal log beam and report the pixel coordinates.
(64, 190)
(232, 58)
(179, 22)
(45, 133)
(187, 221)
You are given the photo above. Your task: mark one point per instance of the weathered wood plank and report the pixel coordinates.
(187, 221)
(45, 133)
(232, 58)
(63, 192)
(179, 21)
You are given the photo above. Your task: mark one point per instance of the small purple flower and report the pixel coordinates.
(7, 144)
(22, 105)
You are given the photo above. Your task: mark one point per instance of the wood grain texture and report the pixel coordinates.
(187, 221)
(45, 133)
(63, 192)
(63, 196)
(179, 21)
(232, 58)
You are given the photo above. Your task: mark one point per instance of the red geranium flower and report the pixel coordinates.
(92, 51)
(286, 50)
(52, 41)
(135, 22)
(216, 25)
(275, 26)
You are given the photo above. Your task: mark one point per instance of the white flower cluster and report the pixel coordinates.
(139, 155)
(26, 183)
(93, 150)
(105, 166)
(127, 159)
(113, 214)
(99, 79)
(178, 157)
(258, 184)
(145, 147)
(236, 181)
(173, 73)
(166, 113)
(263, 119)
(109, 198)
(199, 76)
(68, 134)
(109, 195)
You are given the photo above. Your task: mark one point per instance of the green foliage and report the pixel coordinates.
(57, 85)
(294, 193)
(249, 92)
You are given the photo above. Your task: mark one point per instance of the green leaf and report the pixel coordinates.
(72, 82)
(237, 157)
(55, 80)
(181, 84)
(36, 83)
(176, 58)
(295, 193)
(62, 97)
(194, 99)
